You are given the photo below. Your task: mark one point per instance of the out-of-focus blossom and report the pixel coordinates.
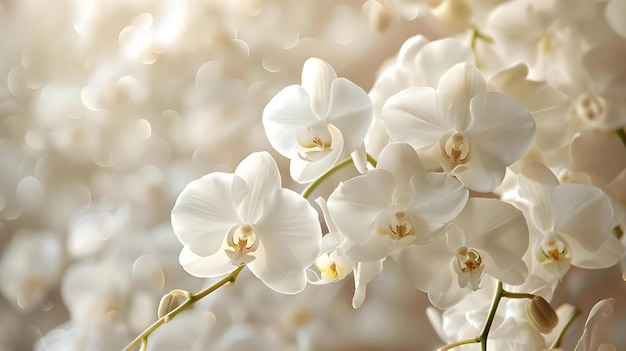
(595, 335)
(30, 267)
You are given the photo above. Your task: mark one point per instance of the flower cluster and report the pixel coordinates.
(312, 153)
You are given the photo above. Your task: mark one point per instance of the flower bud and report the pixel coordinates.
(541, 315)
(169, 302)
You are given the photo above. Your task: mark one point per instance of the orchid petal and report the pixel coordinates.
(375, 248)
(304, 171)
(363, 274)
(495, 227)
(363, 197)
(440, 55)
(285, 116)
(317, 77)
(412, 116)
(402, 161)
(438, 199)
(583, 213)
(206, 267)
(290, 238)
(261, 174)
(427, 266)
(456, 89)
(501, 128)
(359, 158)
(351, 111)
(608, 255)
(206, 210)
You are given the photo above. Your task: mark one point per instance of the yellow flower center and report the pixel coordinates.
(456, 150)
(468, 264)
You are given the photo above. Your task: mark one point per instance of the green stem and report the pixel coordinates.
(482, 339)
(491, 316)
(459, 343)
(371, 160)
(475, 35)
(309, 189)
(191, 299)
(557, 342)
(513, 295)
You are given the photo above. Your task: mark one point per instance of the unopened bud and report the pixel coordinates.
(170, 301)
(541, 315)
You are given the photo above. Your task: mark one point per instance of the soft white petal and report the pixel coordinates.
(449, 298)
(410, 49)
(274, 269)
(401, 160)
(583, 213)
(515, 275)
(317, 77)
(608, 255)
(375, 248)
(285, 116)
(494, 227)
(482, 173)
(456, 89)
(615, 12)
(351, 111)
(500, 127)
(355, 204)
(535, 186)
(440, 55)
(206, 267)
(359, 158)
(596, 333)
(261, 174)
(413, 116)
(304, 171)
(290, 240)
(363, 274)
(427, 266)
(321, 202)
(290, 226)
(601, 155)
(546, 103)
(438, 199)
(206, 210)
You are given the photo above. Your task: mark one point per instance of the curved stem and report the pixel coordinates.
(513, 295)
(309, 189)
(371, 160)
(490, 317)
(557, 342)
(459, 343)
(191, 299)
(475, 35)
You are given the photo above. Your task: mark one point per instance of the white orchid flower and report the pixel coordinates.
(395, 205)
(460, 127)
(224, 220)
(318, 122)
